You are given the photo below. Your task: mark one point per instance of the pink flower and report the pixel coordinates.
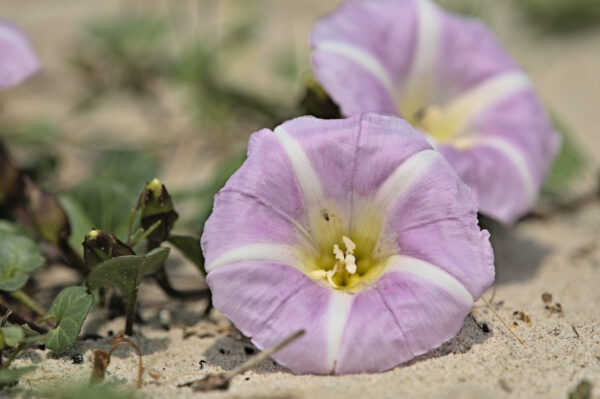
(354, 230)
(449, 77)
(17, 60)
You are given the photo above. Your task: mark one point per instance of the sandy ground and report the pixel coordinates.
(559, 254)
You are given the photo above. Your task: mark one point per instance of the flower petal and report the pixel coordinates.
(469, 55)
(250, 292)
(455, 65)
(507, 161)
(434, 218)
(17, 60)
(261, 203)
(364, 48)
(428, 311)
(372, 340)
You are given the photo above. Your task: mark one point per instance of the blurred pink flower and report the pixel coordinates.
(17, 60)
(355, 230)
(449, 77)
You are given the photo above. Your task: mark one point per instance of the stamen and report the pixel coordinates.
(330, 275)
(343, 261)
(350, 263)
(339, 255)
(350, 245)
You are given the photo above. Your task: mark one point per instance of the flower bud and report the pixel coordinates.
(317, 102)
(99, 246)
(156, 204)
(47, 215)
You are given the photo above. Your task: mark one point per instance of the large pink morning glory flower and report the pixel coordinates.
(449, 77)
(17, 60)
(355, 230)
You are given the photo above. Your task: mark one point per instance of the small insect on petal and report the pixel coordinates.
(390, 277)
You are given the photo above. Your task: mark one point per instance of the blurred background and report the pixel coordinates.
(173, 88)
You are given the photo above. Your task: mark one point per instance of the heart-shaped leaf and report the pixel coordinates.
(126, 272)
(69, 308)
(190, 247)
(19, 256)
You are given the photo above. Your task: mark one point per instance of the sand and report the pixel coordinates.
(559, 254)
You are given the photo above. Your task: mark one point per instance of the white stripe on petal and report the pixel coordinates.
(460, 111)
(400, 180)
(337, 315)
(362, 58)
(307, 178)
(268, 252)
(430, 273)
(514, 155)
(369, 215)
(418, 85)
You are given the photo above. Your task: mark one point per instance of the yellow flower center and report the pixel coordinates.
(347, 264)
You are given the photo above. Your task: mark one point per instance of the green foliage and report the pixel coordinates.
(583, 390)
(10, 376)
(101, 391)
(126, 272)
(127, 37)
(190, 247)
(13, 228)
(562, 14)
(69, 308)
(106, 204)
(11, 337)
(80, 221)
(129, 168)
(206, 196)
(567, 164)
(37, 132)
(470, 8)
(286, 66)
(19, 256)
(18, 337)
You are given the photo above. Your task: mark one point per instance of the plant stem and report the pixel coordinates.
(29, 302)
(163, 282)
(131, 302)
(12, 357)
(17, 319)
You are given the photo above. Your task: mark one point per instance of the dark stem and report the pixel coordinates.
(72, 258)
(131, 301)
(162, 280)
(14, 318)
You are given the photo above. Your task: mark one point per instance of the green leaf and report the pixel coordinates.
(9, 376)
(11, 336)
(561, 15)
(106, 204)
(13, 228)
(190, 247)
(126, 272)
(130, 168)
(69, 308)
(80, 222)
(19, 256)
(567, 164)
